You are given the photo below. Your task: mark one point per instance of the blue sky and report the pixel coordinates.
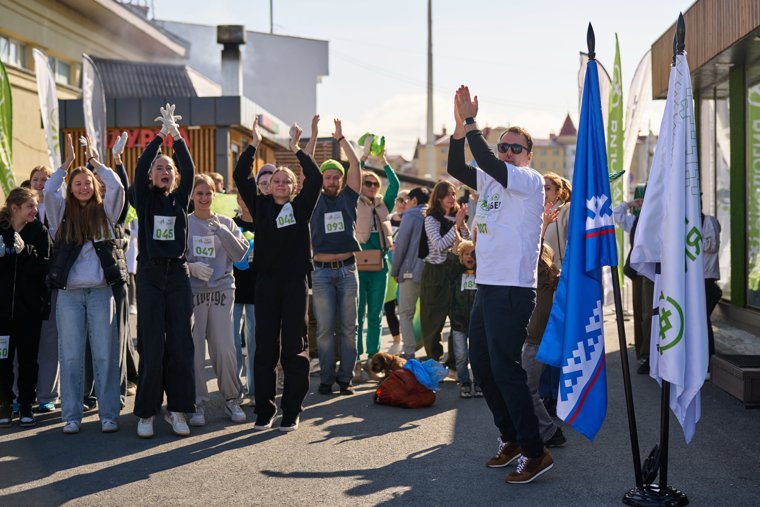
(520, 58)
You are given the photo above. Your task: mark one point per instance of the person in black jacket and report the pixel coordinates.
(282, 263)
(164, 296)
(24, 253)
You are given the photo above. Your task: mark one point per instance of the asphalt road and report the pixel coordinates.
(349, 451)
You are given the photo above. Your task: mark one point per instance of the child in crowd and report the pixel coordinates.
(461, 305)
(548, 278)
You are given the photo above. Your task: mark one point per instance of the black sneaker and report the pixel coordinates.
(89, 403)
(289, 423)
(643, 367)
(557, 440)
(346, 389)
(325, 389)
(264, 422)
(26, 418)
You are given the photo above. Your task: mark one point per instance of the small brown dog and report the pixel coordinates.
(384, 363)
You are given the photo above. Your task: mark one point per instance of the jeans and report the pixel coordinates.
(462, 356)
(77, 311)
(498, 327)
(238, 312)
(408, 296)
(336, 290)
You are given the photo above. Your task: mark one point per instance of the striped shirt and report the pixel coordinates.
(437, 244)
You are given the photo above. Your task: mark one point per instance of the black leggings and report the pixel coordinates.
(391, 318)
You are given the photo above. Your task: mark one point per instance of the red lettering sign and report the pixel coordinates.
(141, 137)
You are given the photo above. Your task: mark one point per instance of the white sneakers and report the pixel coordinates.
(198, 418)
(233, 410)
(145, 427)
(396, 348)
(71, 427)
(109, 426)
(177, 420)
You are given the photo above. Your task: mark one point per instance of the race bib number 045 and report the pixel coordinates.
(163, 228)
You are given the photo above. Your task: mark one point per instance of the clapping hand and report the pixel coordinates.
(255, 133)
(295, 137)
(465, 106)
(367, 146)
(70, 156)
(169, 120)
(338, 134)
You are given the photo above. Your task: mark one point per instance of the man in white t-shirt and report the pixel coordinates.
(508, 220)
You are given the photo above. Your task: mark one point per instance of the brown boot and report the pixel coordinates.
(530, 468)
(506, 454)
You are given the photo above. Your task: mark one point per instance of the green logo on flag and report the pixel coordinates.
(665, 314)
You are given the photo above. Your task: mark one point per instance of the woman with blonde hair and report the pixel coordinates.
(24, 252)
(557, 191)
(374, 232)
(282, 262)
(214, 242)
(164, 296)
(87, 259)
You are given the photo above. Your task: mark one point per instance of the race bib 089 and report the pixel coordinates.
(468, 282)
(163, 228)
(203, 246)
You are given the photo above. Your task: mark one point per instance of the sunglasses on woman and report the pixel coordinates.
(370, 184)
(516, 148)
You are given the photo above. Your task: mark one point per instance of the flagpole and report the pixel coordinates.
(591, 42)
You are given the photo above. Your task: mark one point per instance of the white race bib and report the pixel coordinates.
(203, 246)
(286, 217)
(5, 343)
(163, 228)
(468, 282)
(334, 222)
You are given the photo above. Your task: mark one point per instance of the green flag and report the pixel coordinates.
(7, 180)
(615, 148)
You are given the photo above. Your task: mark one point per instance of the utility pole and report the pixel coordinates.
(271, 16)
(430, 144)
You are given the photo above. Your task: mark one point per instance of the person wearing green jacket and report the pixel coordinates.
(373, 230)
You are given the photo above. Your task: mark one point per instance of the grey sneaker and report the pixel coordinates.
(233, 410)
(145, 427)
(198, 418)
(178, 422)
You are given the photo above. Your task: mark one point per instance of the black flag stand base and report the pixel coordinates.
(651, 496)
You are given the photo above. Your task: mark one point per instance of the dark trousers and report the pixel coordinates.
(713, 295)
(24, 344)
(391, 318)
(435, 306)
(636, 299)
(280, 306)
(128, 358)
(498, 327)
(165, 339)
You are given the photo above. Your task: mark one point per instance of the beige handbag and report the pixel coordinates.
(371, 260)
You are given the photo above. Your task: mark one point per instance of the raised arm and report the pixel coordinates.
(393, 185)
(114, 200)
(457, 166)
(242, 174)
(312, 184)
(485, 158)
(311, 146)
(55, 202)
(140, 182)
(354, 174)
(186, 169)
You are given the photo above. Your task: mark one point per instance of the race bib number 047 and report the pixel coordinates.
(203, 246)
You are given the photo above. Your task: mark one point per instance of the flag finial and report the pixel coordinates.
(681, 34)
(591, 42)
(675, 48)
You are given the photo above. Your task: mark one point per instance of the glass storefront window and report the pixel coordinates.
(715, 153)
(753, 196)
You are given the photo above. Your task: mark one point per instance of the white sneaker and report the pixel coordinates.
(395, 348)
(198, 418)
(71, 427)
(314, 366)
(133, 309)
(109, 426)
(232, 409)
(145, 427)
(177, 420)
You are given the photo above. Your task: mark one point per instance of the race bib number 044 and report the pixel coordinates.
(203, 246)
(163, 228)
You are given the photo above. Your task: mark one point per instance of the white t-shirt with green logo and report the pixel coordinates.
(508, 226)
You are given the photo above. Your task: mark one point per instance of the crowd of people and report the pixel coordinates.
(336, 249)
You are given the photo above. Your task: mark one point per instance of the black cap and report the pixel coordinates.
(422, 194)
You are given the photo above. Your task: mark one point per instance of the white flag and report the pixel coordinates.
(669, 232)
(94, 105)
(639, 98)
(48, 106)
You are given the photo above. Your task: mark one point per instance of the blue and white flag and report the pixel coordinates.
(574, 337)
(669, 233)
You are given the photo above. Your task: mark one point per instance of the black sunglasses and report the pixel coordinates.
(516, 148)
(371, 184)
